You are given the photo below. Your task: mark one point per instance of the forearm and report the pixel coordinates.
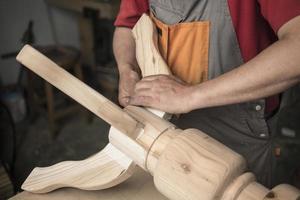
(271, 72)
(124, 49)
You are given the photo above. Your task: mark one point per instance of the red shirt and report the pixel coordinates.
(256, 23)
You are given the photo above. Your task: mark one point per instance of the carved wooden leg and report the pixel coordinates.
(46, 179)
(102, 170)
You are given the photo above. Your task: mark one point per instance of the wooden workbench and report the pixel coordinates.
(139, 186)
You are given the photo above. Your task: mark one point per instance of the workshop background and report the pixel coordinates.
(40, 126)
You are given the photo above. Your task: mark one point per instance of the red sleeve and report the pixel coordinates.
(278, 12)
(130, 12)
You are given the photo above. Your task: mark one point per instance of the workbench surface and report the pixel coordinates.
(139, 186)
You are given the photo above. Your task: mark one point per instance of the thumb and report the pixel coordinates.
(124, 101)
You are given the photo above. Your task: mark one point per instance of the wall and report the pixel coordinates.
(14, 17)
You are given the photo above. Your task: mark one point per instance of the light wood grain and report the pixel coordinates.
(102, 170)
(195, 166)
(285, 191)
(138, 149)
(148, 57)
(147, 54)
(77, 173)
(77, 90)
(254, 191)
(153, 125)
(139, 187)
(150, 63)
(237, 186)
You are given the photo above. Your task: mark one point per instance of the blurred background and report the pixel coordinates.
(40, 126)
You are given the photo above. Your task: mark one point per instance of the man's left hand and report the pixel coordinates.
(163, 92)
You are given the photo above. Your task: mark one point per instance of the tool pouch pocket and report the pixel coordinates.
(184, 46)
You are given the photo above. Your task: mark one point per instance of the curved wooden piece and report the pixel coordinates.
(76, 89)
(204, 166)
(139, 187)
(147, 54)
(139, 148)
(194, 166)
(102, 170)
(286, 192)
(105, 169)
(235, 188)
(108, 167)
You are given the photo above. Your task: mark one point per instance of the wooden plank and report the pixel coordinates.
(150, 63)
(147, 54)
(106, 171)
(77, 90)
(103, 170)
(139, 186)
(285, 191)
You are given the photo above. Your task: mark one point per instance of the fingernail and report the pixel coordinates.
(126, 99)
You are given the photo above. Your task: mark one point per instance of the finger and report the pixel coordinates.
(124, 100)
(152, 81)
(141, 101)
(134, 75)
(143, 85)
(143, 92)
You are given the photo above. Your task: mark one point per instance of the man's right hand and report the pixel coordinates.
(124, 51)
(127, 80)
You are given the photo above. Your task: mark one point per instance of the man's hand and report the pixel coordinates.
(163, 92)
(128, 79)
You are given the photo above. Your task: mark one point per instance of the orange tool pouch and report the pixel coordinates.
(184, 47)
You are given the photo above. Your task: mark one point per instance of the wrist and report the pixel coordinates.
(195, 98)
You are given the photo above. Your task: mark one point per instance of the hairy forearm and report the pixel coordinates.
(124, 49)
(271, 72)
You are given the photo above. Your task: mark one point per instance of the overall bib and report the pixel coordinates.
(198, 42)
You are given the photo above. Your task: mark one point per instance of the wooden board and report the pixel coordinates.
(147, 54)
(100, 171)
(138, 187)
(79, 91)
(107, 168)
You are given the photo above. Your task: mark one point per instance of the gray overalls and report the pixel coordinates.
(241, 127)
